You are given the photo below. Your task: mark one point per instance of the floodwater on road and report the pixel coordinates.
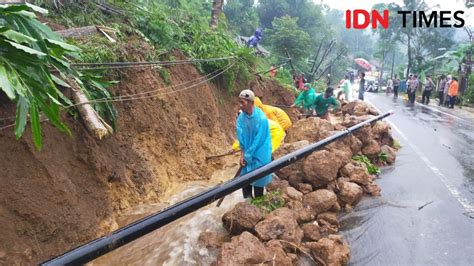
(175, 243)
(425, 214)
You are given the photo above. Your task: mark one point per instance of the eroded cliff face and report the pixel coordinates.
(73, 190)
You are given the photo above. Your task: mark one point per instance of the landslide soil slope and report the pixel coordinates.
(73, 190)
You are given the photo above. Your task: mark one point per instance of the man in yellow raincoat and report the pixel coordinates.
(274, 113)
(277, 134)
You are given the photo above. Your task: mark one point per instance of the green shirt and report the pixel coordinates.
(321, 104)
(306, 98)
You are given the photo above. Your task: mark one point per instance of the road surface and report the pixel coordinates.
(426, 213)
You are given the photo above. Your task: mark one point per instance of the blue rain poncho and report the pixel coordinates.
(253, 133)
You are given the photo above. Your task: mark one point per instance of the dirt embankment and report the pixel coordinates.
(72, 191)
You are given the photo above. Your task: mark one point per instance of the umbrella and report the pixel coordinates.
(363, 63)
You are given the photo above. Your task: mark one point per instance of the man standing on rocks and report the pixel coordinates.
(253, 133)
(322, 103)
(361, 86)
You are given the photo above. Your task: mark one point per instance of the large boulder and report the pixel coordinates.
(349, 192)
(303, 212)
(371, 149)
(351, 120)
(359, 108)
(356, 173)
(243, 217)
(290, 193)
(280, 224)
(321, 167)
(244, 249)
(382, 133)
(293, 170)
(364, 134)
(311, 129)
(391, 153)
(277, 185)
(320, 200)
(332, 250)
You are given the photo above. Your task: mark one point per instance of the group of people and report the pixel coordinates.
(447, 88)
(261, 129)
(315, 104)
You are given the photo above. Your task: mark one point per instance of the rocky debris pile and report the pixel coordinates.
(314, 190)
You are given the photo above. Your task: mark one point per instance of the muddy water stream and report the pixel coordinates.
(176, 243)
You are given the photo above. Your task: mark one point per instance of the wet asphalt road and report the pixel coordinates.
(426, 213)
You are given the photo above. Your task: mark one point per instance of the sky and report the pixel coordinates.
(453, 5)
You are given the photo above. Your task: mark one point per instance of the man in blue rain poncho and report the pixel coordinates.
(253, 133)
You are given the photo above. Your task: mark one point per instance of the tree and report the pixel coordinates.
(287, 34)
(242, 16)
(215, 13)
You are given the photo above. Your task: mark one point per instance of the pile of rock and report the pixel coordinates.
(315, 189)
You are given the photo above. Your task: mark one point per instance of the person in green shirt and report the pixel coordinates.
(323, 101)
(306, 98)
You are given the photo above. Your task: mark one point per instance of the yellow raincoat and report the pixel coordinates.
(277, 134)
(274, 113)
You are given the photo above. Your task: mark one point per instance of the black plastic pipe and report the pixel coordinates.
(124, 235)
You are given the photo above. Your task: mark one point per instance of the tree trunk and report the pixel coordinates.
(216, 11)
(78, 32)
(382, 66)
(94, 124)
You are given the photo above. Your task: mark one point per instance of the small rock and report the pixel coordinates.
(391, 153)
(311, 232)
(212, 239)
(304, 188)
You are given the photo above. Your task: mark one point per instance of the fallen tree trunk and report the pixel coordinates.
(78, 32)
(93, 122)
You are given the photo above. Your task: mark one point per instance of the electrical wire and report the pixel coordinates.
(132, 97)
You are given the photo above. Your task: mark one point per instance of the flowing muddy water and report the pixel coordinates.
(175, 243)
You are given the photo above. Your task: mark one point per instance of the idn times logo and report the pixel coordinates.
(361, 19)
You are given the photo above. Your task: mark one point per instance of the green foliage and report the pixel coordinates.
(397, 145)
(73, 13)
(97, 49)
(373, 170)
(383, 157)
(165, 75)
(29, 49)
(269, 202)
(287, 34)
(241, 16)
(186, 29)
(96, 88)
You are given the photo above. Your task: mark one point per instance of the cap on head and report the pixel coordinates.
(247, 95)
